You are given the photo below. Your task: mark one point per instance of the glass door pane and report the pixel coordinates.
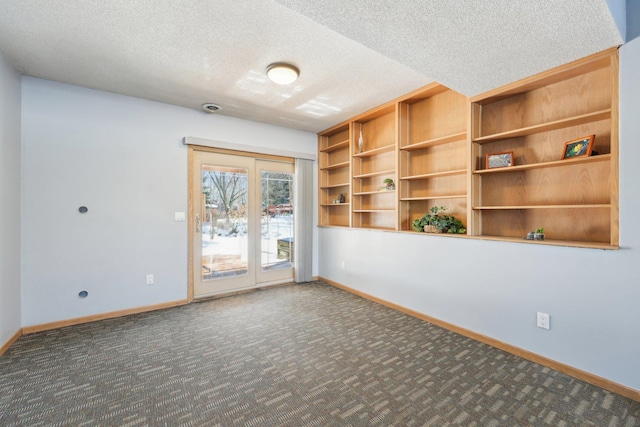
(277, 220)
(224, 222)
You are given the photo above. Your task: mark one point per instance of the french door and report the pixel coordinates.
(243, 230)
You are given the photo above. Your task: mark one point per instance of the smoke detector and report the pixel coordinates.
(211, 108)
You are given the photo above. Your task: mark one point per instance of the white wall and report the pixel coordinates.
(9, 201)
(123, 158)
(496, 288)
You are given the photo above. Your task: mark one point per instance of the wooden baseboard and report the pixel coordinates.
(79, 320)
(596, 380)
(9, 343)
(102, 316)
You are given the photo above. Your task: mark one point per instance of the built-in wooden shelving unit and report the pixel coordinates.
(433, 153)
(575, 200)
(372, 163)
(335, 176)
(433, 143)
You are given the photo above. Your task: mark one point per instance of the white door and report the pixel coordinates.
(243, 222)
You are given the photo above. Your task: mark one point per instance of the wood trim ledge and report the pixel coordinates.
(102, 316)
(596, 380)
(9, 343)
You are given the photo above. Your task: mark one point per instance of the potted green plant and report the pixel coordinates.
(435, 221)
(419, 224)
(388, 183)
(438, 222)
(539, 234)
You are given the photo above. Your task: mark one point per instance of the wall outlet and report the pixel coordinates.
(343, 265)
(543, 320)
(149, 279)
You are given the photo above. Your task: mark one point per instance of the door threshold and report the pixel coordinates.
(258, 287)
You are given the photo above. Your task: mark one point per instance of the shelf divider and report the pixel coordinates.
(373, 210)
(335, 147)
(334, 185)
(516, 207)
(366, 193)
(336, 166)
(549, 126)
(376, 151)
(370, 174)
(544, 165)
(434, 175)
(435, 141)
(451, 196)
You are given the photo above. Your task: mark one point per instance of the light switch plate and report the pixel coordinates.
(179, 216)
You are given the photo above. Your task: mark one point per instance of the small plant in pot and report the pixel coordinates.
(539, 234)
(388, 183)
(419, 224)
(437, 222)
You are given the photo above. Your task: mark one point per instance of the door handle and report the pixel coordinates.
(197, 223)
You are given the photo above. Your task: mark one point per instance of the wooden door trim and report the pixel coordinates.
(191, 154)
(255, 155)
(190, 225)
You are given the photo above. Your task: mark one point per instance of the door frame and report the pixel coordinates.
(190, 202)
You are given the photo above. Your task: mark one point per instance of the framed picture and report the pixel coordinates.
(499, 160)
(578, 147)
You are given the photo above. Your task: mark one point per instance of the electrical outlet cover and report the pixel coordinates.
(543, 320)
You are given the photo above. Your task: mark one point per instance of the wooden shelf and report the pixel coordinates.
(335, 166)
(373, 210)
(335, 147)
(513, 207)
(434, 142)
(433, 154)
(334, 177)
(376, 151)
(366, 193)
(346, 184)
(373, 227)
(435, 175)
(544, 165)
(546, 127)
(424, 143)
(378, 173)
(570, 243)
(377, 160)
(451, 196)
(575, 198)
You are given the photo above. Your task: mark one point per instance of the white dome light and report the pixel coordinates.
(282, 74)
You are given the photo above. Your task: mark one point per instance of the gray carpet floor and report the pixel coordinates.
(299, 355)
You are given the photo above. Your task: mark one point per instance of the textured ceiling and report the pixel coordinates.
(353, 55)
(471, 46)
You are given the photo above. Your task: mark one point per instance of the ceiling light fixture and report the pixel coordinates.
(211, 108)
(282, 74)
